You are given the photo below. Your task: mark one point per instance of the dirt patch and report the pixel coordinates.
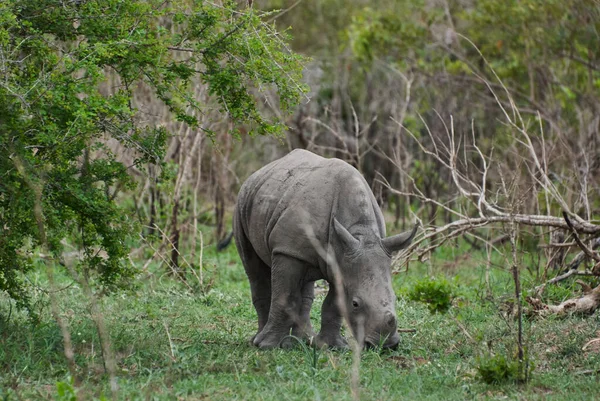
(542, 390)
(403, 362)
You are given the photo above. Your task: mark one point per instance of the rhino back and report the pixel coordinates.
(277, 202)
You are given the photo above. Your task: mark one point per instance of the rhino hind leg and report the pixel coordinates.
(331, 323)
(259, 276)
(287, 306)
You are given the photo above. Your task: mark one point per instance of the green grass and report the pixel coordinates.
(208, 355)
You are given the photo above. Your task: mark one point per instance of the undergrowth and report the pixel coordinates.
(173, 342)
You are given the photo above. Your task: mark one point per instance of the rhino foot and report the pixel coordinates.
(330, 341)
(284, 340)
(251, 339)
(268, 339)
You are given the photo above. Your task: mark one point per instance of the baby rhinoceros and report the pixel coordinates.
(304, 218)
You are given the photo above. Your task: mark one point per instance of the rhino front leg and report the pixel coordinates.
(331, 323)
(286, 308)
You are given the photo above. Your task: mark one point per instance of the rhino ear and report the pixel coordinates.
(398, 242)
(344, 236)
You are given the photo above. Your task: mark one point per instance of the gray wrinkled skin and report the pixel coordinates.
(274, 207)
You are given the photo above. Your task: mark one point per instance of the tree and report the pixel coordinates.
(58, 179)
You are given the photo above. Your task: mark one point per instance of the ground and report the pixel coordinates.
(175, 343)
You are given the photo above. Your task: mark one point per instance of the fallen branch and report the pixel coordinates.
(585, 305)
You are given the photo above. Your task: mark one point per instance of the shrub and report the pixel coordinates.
(498, 369)
(58, 179)
(437, 293)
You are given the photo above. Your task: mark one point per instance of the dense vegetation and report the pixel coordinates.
(175, 343)
(126, 128)
(60, 178)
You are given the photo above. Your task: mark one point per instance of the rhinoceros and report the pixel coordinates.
(304, 218)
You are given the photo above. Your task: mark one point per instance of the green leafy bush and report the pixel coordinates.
(58, 179)
(437, 293)
(498, 369)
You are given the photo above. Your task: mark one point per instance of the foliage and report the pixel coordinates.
(65, 391)
(317, 24)
(55, 119)
(171, 343)
(377, 33)
(546, 52)
(498, 369)
(437, 293)
(421, 62)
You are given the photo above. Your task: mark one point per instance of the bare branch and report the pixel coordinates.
(581, 245)
(540, 288)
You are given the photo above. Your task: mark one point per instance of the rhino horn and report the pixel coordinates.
(398, 242)
(343, 234)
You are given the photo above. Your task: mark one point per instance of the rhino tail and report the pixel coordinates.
(224, 243)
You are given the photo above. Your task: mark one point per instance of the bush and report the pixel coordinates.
(59, 180)
(437, 293)
(498, 369)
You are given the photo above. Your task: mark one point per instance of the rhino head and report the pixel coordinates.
(369, 301)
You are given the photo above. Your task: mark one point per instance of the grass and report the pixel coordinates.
(172, 343)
